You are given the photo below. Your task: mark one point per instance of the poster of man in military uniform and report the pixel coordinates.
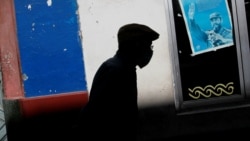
(208, 24)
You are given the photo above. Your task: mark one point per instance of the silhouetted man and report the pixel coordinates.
(111, 113)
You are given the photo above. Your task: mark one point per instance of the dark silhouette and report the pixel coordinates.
(111, 113)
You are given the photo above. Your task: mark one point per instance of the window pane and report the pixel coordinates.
(210, 74)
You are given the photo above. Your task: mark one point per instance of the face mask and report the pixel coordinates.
(145, 58)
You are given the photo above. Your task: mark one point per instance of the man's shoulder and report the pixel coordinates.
(112, 64)
(225, 30)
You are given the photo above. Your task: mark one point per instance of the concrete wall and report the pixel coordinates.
(100, 21)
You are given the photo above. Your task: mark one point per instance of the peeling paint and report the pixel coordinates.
(7, 62)
(48, 25)
(52, 91)
(80, 34)
(8, 56)
(33, 26)
(29, 7)
(77, 12)
(25, 77)
(49, 2)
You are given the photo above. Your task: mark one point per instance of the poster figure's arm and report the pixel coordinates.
(225, 39)
(215, 39)
(226, 33)
(194, 27)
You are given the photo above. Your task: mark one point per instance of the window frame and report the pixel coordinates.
(243, 55)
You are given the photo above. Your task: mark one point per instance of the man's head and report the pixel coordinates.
(216, 20)
(135, 41)
(134, 31)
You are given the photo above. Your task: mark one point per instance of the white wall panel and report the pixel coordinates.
(100, 21)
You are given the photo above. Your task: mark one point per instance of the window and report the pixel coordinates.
(210, 70)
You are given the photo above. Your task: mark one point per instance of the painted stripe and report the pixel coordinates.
(54, 103)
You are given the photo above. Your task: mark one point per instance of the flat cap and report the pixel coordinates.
(135, 31)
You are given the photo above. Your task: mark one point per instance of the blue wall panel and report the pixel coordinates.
(50, 47)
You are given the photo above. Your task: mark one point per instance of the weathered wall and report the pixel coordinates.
(41, 57)
(50, 47)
